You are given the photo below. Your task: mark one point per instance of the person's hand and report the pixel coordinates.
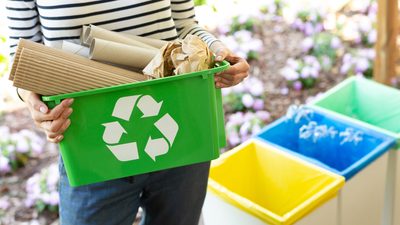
(54, 121)
(236, 73)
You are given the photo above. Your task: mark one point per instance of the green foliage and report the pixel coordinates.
(3, 56)
(200, 2)
(249, 24)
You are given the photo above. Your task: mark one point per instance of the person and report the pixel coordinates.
(168, 197)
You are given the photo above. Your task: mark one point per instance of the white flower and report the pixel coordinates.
(245, 128)
(293, 64)
(247, 100)
(307, 44)
(372, 36)
(305, 72)
(22, 146)
(4, 164)
(257, 89)
(289, 74)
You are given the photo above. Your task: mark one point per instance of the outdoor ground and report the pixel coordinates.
(278, 46)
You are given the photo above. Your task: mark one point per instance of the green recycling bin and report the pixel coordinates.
(375, 106)
(142, 127)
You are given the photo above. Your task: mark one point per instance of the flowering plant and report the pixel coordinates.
(241, 126)
(16, 148)
(358, 62)
(358, 29)
(308, 22)
(42, 190)
(301, 73)
(324, 46)
(3, 56)
(247, 95)
(244, 44)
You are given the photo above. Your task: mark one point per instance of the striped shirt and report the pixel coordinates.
(52, 21)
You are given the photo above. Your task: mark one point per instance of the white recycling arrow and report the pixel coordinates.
(168, 127)
(149, 106)
(125, 152)
(124, 107)
(156, 147)
(113, 132)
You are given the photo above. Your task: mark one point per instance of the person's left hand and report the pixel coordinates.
(236, 73)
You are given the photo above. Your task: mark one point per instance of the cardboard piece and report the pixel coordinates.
(50, 75)
(73, 58)
(120, 54)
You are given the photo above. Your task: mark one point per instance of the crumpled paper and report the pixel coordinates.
(178, 57)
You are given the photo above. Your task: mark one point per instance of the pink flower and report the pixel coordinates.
(362, 64)
(336, 43)
(263, 115)
(4, 203)
(308, 29)
(258, 104)
(297, 85)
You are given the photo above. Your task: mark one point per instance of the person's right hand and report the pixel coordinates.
(53, 121)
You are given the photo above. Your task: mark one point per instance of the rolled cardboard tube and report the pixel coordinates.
(150, 41)
(82, 39)
(75, 49)
(122, 54)
(93, 32)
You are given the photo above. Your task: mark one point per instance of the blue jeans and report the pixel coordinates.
(168, 197)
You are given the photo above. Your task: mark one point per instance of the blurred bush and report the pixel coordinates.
(3, 56)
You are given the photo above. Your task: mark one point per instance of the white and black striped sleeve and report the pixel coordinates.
(183, 15)
(23, 22)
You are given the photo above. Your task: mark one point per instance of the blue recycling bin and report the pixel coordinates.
(362, 160)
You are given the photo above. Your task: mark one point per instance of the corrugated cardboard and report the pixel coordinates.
(50, 75)
(81, 61)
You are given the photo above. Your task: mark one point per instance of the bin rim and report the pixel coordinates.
(322, 196)
(219, 67)
(388, 141)
(348, 81)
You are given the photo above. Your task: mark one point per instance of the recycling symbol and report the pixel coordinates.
(150, 108)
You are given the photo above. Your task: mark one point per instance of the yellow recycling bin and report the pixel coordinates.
(256, 184)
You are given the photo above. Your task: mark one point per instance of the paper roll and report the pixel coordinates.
(82, 38)
(75, 49)
(93, 32)
(150, 41)
(112, 52)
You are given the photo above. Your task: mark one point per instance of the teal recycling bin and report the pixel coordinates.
(376, 106)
